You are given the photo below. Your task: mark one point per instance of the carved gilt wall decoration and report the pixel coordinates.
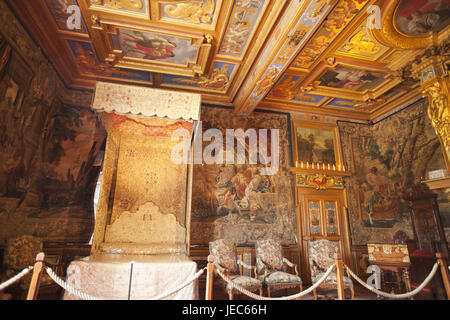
(362, 43)
(134, 5)
(192, 11)
(319, 181)
(218, 80)
(438, 112)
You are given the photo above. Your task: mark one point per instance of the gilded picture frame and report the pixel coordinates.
(316, 143)
(153, 49)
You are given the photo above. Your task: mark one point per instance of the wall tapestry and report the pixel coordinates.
(386, 160)
(234, 201)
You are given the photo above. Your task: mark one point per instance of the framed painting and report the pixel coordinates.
(331, 217)
(414, 17)
(315, 217)
(153, 49)
(316, 143)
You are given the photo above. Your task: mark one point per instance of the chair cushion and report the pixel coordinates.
(224, 252)
(321, 255)
(270, 252)
(331, 279)
(281, 277)
(21, 252)
(244, 281)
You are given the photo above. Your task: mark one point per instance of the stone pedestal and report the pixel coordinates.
(107, 276)
(143, 209)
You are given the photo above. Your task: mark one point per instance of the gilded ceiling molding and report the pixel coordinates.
(362, 43)
(133, 5)
(272, 61)
(192, 11)
(218, 80)
(320, 5)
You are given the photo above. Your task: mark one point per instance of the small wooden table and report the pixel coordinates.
(394, 258)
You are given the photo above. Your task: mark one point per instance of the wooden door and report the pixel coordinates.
(322, 215)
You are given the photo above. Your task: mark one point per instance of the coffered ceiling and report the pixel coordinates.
(339, 58)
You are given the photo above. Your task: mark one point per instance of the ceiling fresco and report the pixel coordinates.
(333, 58)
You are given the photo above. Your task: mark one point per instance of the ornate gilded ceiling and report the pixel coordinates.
(339, 58)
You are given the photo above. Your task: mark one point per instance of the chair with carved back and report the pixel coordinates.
(20, 252)
(271, 267)
(321, 257)
(224, 252)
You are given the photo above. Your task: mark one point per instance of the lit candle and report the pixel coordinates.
(296, 164)
(343, 168)
(339, 167)
(301, 165)
(328, 166)
(318, 166)
(307, 164)
(313, 165)
(323, 166)
(334, 167)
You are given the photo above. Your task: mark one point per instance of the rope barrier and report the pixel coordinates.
(17, 277)
(68, 287)
(180, 287)
(396, 296)
(291, 297)
(241, 289)
(86, 296)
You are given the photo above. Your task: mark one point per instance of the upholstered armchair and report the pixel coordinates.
(271, 267)
(321, 257)
(20, 252)
(224, 252)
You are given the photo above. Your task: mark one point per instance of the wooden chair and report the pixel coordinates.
(270, 263)
(224, 252)
(321, 257)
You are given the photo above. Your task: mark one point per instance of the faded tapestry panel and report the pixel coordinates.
(235, 201)
(47, 177)
(386, 160)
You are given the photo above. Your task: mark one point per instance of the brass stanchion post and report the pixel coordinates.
(36, 278)
(339, 277)
(444, 274)
(209, 277)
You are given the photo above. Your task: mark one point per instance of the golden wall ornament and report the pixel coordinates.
(319, 181)
(362, 43)
(192, 11)
(438, 112)
(320, 5)
(218, 80)
(133, 5)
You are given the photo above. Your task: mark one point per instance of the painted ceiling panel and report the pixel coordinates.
(281, 55)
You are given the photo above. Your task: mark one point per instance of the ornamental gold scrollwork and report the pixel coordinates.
(438, 112)
(320, 5)
(320, 181)
(362, 43)
(219, 79)
(134, 5)
(192, 11)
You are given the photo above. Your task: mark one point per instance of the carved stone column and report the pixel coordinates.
(432, 72)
